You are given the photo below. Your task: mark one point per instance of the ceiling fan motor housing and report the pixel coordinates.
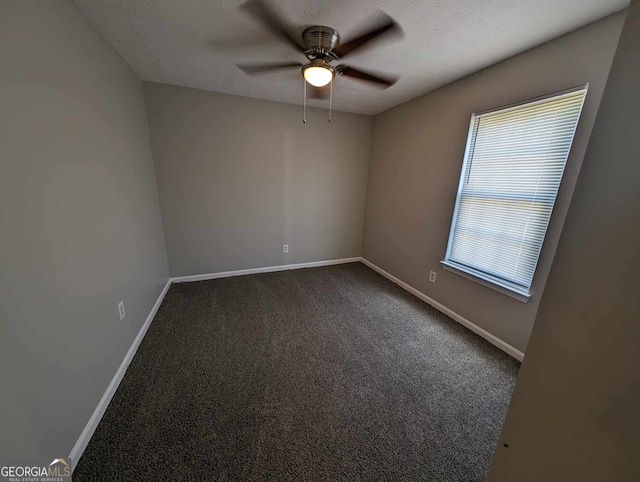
(320, 41)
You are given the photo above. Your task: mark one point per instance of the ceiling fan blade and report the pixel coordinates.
(257, 69)
(383, 82)
(384, 24)
(262, 12)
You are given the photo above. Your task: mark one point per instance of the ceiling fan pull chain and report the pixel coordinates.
(330, 97)
(304, 102)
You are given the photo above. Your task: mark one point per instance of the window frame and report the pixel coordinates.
(486, 279)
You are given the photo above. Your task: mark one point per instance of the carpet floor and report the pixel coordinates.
(330, 373)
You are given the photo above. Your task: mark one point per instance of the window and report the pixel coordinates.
(513, 165)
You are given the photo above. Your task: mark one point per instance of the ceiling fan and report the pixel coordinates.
(321, 46)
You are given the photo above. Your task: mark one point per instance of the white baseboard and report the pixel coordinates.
(267, 269)
(504, 346)
(93, 422)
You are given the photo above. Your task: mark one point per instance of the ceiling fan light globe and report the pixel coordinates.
(318, 76)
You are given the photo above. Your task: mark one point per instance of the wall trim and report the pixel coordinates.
(494, 340)
(266, 269)
(92, 424)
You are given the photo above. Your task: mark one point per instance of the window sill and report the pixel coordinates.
(472, 275)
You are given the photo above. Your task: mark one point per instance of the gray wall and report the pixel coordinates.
(81, 226)
(416, 158)
(239, 177)
(575, 410)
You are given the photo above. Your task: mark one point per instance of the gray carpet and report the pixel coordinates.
(330, 373)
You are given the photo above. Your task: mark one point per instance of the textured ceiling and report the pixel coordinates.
(189, 42)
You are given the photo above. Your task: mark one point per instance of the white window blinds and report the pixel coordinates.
(513, 166)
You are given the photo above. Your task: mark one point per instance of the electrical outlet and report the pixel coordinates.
(285, 248)
(432, 276)
(121, 310)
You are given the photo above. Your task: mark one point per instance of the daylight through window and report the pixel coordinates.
(513, 165)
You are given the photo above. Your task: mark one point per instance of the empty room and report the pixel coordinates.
(320, 240)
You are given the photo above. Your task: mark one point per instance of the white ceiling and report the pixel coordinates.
(188, 42)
